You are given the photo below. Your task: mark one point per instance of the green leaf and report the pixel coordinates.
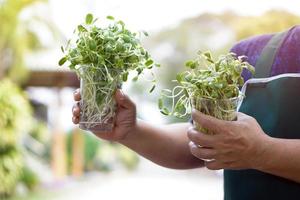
(145, 33)
(71, 66)
(179, 78)
(149, 62)
(135, 78)
(139, 70)
(62, 49)
(125, 76)
(210, 60)
(89, 18)
(160, 103)
(250, 68)
(241, 81)
(110, 17)
(207, 54)
(151, 90)
(92, 44)
(190, 64)
(81, 28)
(165, 111)
(62, 61)
(121, 23)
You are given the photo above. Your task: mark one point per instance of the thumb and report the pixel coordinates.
(123, 100)
(241, 116)
(208, 122)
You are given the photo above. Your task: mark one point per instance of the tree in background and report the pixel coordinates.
(15, 119)
(16, 38)
(272, 21)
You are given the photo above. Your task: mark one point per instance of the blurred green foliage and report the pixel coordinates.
(14, 120)
(15, 115)
(102, 155)
(29, 178)
(272, 21)
(16, 38)
(11, 164)
(39, 131)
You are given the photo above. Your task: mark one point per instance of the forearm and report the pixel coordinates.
(165, 145)
(282, 158)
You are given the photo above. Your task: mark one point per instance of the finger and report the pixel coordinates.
(201, 138)
(213, 124)
(76, 110)
(75, 120)
(76, 95)
(241, 116)
(214, 165)
(123, 100)
(202, 152)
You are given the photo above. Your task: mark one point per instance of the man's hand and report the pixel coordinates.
(125, 117)
(235, 144)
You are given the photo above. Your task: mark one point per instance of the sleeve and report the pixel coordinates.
(251, 48)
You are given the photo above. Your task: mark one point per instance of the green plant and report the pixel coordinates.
(103, 57)
(18, 38)
(15, 119)
(211, 86)
(29, 178)
(91, 144)
(102, 155)
(11, 163)
(39, 130)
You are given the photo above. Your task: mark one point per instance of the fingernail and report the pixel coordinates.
(122, 93)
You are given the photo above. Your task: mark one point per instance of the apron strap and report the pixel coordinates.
(265, 61)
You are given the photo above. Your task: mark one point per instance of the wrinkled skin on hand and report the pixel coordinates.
(234, 145)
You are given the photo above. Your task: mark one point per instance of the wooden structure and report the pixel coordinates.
(58, 80)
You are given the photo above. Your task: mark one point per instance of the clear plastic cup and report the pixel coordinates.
(97, 105)
(224, 109)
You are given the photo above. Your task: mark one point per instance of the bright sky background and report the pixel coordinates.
(150, 15)
(153, 15)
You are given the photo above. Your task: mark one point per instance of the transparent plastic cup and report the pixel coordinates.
(224, 109)
(97, 105)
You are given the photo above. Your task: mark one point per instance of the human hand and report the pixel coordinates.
(234, 145)
(125, 121)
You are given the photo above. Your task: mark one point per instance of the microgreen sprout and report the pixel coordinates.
(103, 57)
(210, 86)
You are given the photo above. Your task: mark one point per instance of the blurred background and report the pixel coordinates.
(44, 156)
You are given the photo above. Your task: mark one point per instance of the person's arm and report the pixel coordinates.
(242, 144)
(282, 158)
(165, 145)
